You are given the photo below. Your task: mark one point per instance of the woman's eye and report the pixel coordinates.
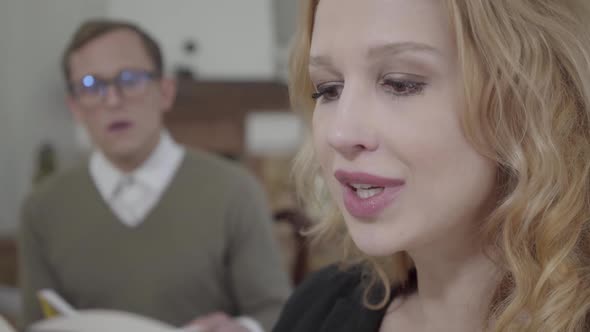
(399, 87)
(327, 92)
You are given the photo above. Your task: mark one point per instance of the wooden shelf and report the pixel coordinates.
(8, 261)
(210, 114)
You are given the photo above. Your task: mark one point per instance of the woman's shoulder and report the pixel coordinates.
(328, 297)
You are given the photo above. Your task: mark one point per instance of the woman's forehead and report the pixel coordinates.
(353, 26)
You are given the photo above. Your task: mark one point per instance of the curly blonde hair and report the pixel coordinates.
(526, 71)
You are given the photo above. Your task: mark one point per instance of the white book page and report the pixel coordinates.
(97, 320)
(4, 326)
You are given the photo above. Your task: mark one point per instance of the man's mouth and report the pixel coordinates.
(119, 126)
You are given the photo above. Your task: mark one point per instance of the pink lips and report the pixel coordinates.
(372, 206)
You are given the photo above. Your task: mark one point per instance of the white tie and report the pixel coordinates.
(127, 199)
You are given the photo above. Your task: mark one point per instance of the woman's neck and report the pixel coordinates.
(456, 284)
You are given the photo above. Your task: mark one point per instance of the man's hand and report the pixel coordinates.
(218, 322)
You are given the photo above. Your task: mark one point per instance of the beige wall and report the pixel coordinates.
(235, 38)
(32, 35)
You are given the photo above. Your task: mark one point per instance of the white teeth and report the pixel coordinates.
(365, 191)
(361, 186)
(368, 193)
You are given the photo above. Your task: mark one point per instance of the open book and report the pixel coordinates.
(64, 318)
(4, 326)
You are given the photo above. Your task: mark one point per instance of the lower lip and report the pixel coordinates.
(119, 126)
(371, 207)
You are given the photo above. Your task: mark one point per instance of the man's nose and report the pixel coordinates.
(112, 96)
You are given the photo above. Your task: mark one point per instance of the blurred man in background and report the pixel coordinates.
(146, 225)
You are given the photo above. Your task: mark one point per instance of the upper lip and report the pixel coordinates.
(348, 178)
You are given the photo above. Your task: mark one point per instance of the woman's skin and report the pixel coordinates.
(387, 118)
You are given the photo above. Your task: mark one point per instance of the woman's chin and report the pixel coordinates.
(376, 245)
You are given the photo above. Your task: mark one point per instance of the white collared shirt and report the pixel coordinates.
(131, 196)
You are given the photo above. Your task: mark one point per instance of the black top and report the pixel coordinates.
(331, 300)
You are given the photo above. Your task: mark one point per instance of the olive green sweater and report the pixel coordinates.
(206, 246)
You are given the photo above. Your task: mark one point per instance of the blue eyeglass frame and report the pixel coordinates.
(133, 76)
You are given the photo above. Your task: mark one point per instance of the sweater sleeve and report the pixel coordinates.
(34, 270)
(257, 278)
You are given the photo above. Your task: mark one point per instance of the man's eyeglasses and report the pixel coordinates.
(130, 83)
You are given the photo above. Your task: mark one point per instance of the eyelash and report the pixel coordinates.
(327, 88)
(415, 88)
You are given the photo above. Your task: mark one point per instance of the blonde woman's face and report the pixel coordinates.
(387, 126)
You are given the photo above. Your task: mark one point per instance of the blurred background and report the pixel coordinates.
(230, 57)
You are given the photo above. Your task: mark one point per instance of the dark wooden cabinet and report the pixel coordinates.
(210, 114)
(8, 261)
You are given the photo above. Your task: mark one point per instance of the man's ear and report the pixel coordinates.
(168, 90)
